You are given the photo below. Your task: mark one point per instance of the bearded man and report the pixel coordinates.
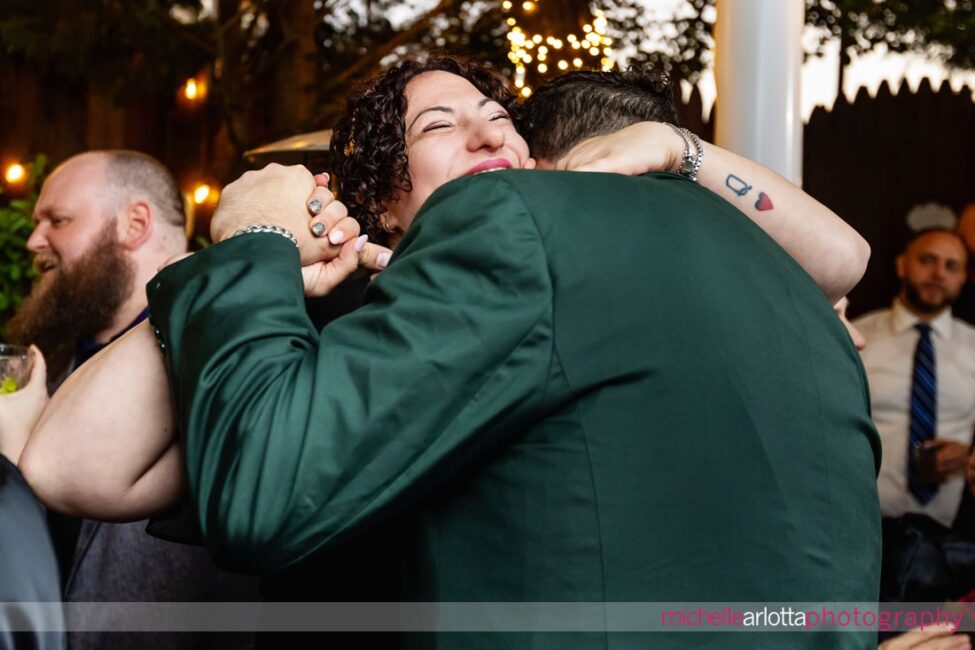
(920, 364)
(106, 221)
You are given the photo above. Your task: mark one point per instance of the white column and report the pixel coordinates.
(757, 67)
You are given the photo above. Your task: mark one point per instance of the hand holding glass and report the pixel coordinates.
(15, 365)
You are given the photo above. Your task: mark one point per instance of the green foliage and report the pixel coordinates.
(16, 268)
(125, 48)
(680, 47)
(944, 29)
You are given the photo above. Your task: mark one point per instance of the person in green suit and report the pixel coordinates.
(577, 387)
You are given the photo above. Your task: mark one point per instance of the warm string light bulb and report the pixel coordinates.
(194, 90)
(15, 173)
(201, 193)
(524, 48)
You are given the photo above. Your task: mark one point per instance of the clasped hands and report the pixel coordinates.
(292, 198)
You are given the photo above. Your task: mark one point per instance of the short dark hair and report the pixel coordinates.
(368, 144)
(583, 104)
(138, 172)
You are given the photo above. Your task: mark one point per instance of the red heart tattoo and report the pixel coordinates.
(764, 202)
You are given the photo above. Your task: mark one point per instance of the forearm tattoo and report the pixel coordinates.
(740, 187)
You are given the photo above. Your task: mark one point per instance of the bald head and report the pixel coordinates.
(131, 175)
(106, 186)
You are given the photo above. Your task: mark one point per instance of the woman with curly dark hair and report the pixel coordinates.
(369, 142)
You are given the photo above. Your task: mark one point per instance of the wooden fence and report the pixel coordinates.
(873, 159)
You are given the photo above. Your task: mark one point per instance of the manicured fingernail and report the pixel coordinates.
(318, 229)
(314, 206)
(336, 236)
(360, 243)
(382, 260)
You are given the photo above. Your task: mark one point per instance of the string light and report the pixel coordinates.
(201, 193)
(595, 44)
(15, 173)
(193, 91)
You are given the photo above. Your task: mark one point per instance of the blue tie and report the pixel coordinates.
(924, 411)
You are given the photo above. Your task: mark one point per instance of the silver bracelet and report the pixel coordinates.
(690, 164)
(265, 227)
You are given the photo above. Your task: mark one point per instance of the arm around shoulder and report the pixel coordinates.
(824, 245)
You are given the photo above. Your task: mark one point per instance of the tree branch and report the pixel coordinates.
(378, 54)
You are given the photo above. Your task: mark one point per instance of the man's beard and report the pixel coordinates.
(913, 296)
(79, 301)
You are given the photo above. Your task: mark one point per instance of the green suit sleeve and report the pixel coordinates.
(295, 439)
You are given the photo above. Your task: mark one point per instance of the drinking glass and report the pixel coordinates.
(15, 367)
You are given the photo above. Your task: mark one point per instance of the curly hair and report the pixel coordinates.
(368, 144)
(563, 111)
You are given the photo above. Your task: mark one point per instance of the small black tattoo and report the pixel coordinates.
(737, 185)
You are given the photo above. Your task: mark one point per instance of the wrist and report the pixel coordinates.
(692, 156)
(267, 228)
(12, 444)
(676, 145)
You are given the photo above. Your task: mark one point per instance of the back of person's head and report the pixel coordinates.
(136, 175)
(586, 103)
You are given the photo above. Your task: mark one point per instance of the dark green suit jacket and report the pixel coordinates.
(578, 387)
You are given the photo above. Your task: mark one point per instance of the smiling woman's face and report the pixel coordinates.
(452, 130)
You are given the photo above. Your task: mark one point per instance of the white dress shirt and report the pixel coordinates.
(889, 362)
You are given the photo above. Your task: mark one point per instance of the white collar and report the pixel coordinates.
(902, 319)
